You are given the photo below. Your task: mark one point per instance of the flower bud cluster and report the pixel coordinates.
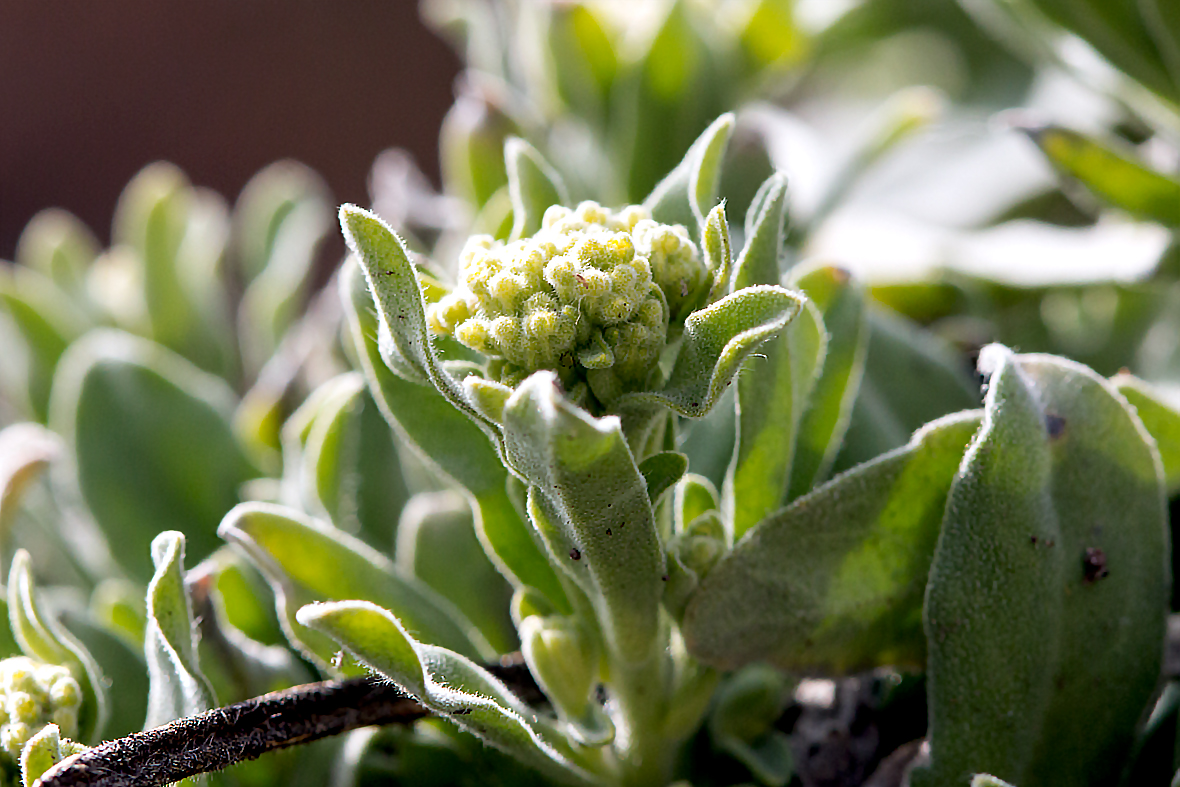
(33, 694)
(592, 290)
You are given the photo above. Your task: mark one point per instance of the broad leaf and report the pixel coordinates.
(1045, 614)
(450, 685)
(153, 443)
(178, 687)
(307, 561)
(834, 581)
(590, 502)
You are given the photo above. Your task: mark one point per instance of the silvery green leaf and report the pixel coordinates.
(398, 297)
(584, 59)
(716, 342)
(773, 391)
(121, 662)
(718, 251)
(821, 429)
(26, 449)
(178, 687)
(60, 246)
(44, 321)
(911, 377)
(1114, 175)
(533, 185)
(124, 405)
(177, 234)
(1160, 417)
(686, 195)
(471, 145)
(265, 210)
(306, 561)
(450, 685)
(835, 580)
(766, 229)
(436, 533)
(1059, 502)
(349, 469)
(453, 444)
(42, 638)
(589, 501)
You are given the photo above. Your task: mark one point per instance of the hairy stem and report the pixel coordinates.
(246, 730)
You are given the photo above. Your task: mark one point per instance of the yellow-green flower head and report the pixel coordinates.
(33, 694)
(591, 290)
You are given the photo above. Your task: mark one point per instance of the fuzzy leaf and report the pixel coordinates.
(718, 251)
(349, 468)
(772, 394)
(835, 580)
(716, 341)
(687, 193)
(1113, 175)
(1160, 418)
(398, 296)
(178, 686)
(533, 185)
(1048, 593)
(766, 228)
(153, 443)
(590, 502)
(661, 471)
(453, 444)
(307, 561)
(437, 533)
(41, 638)
(45, 321)
(44, 750)
(829, 407)
(449, 684)
(25, 451)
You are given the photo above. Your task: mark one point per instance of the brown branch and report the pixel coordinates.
(245, 730)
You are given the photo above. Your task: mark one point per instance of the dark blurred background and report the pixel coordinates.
(90, 92)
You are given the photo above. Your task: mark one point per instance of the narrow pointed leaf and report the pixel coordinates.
(125, 405)
(396, 291)
(308, 561)
(41, 638)
(834, 582)
(453, 444)
(716, 341)
(715, 243)
(1113, 175)
(178, 687)
(766, 227)
(829, 407)
(449, 684)
(1059, 501)
(686, 195)
(533, 185)
(772, 395)
(588, 498)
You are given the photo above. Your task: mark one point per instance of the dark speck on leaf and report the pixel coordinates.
(664, 578)
(609, 532)
(1094, 566)
(1033, 540)
(1054, 425)
(575, 554)
(461, 712)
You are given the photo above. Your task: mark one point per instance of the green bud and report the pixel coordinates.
(563, 660)
(33, 694)
(591, 291)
